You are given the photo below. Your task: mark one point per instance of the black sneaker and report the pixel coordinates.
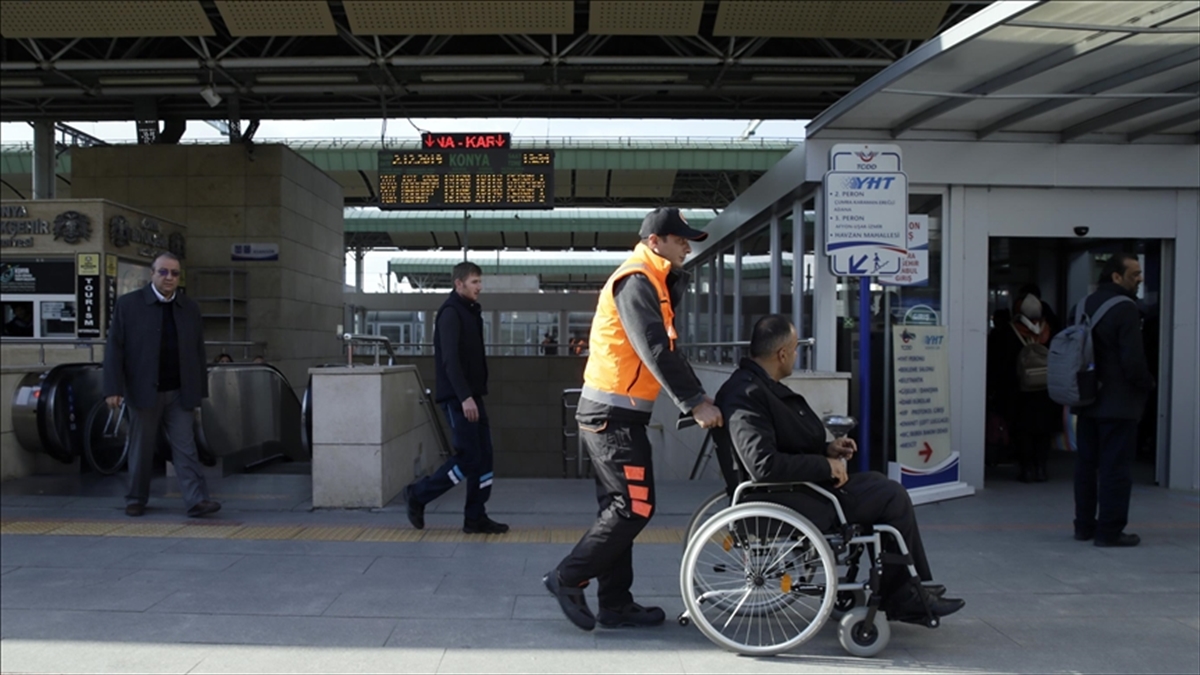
(204, 508)
(908, 604)
(571, 600)
(484, 525)
(416, 510)
(1122, 540)
(632, 615)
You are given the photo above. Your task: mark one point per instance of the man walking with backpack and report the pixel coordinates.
(1108, 424)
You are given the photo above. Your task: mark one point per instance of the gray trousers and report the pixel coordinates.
(143, 437)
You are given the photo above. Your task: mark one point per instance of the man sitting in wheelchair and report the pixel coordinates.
(777, 438)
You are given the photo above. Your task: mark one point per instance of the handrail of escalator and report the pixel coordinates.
(359, 338)
(92, 343)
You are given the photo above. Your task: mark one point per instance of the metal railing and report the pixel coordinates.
(731, 352)
(91, 343)
(351, 339)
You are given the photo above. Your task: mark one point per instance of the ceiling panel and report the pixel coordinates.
(591, 183)
(102, 18)
(459, 17)
(661, 17)
(656, 183)
(276, 17)
(829, 19)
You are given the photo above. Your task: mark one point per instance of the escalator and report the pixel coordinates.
(251, 417)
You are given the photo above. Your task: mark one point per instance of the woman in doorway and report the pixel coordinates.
(1017, 383)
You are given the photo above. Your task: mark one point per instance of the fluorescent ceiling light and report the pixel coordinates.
(309, 78)
(151, 80)
(803, 78)
(472, 77)
(21, 82)
(635, 77)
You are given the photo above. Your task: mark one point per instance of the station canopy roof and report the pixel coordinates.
(1064, 72)
(83, 60)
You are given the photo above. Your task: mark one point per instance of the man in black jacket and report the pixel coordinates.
(1107, 429)
(777, 438)
(462, 374)
(154, 362)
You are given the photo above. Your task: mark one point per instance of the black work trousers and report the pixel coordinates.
(1103, 475)
(869, 498)
(620, 454)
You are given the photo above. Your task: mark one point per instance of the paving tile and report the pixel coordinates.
(393, 567)
(488, 586)
(6, 570)
(287, 564)
(105, 596)
(1162, 645)
(262, 600)
(407, 605)
(274, 659)
(478, 634)
(49, 578)
(1007, 606)
(556, 661)
(190, 562)
(37, 656)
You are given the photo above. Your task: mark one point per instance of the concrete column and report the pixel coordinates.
(44, 160)
(737, 299)
(776, 264)
(563, 323)
(824, 314)
(359, 258)
(798, 232)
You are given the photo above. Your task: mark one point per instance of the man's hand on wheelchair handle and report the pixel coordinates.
(707, 415)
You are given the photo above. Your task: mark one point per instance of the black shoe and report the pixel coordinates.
(484, 525)
(909, 605)
(204, 508)
(571, 601)
(135, 510)
(632, 615)
(1122, 540)
(416, 510)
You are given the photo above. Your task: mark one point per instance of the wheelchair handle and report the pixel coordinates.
(684, 422)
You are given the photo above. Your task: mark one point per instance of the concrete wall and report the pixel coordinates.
(525, 406)
(226, 194)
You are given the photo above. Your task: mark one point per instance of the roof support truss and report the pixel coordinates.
(1126, 113)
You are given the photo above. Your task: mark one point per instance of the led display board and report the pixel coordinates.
(461, 178)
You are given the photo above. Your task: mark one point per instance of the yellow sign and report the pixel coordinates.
(89, 264)
(110, 265)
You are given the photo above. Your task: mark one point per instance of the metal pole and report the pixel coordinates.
(798, 271)
(776, 263)
(44, 160)
(864, 374)
(885, 368)
(359, 256)
(465, 242)
(737, 299)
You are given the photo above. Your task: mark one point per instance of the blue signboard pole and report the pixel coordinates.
(864, 374)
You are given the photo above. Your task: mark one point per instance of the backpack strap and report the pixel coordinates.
(1108, 304)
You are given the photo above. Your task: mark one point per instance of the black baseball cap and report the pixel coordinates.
(668, 220)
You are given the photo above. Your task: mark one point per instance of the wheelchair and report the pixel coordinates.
(759, 579)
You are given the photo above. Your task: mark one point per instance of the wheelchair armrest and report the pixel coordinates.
(751, 485)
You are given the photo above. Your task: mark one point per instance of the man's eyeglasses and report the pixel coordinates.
(164, 272)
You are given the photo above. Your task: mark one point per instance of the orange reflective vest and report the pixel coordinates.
(615, 374)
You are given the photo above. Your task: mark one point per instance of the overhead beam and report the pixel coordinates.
(1162, 125)
(1104, 84)
(1124, 114)
(1051, 61)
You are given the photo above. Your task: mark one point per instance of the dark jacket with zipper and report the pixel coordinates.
(134, 359)
(1120, 355)
(642, 319)
(458, 352)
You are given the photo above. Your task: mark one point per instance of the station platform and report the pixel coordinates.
(270, 585)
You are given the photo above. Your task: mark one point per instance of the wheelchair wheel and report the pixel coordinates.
(758, 579)
(860, 639)
(708, 508)
(106, 439)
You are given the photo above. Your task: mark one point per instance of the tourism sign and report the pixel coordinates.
(866, 210)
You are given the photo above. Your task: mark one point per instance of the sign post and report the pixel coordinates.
(866, 209)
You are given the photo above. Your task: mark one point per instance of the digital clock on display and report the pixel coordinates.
(460, 178)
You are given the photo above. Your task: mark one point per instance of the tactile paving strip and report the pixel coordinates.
(213, 530)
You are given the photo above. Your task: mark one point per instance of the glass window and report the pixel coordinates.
(57, 318)
(18, 319)
(756, 278)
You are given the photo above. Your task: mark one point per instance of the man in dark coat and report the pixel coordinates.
(775, 437)
(462, 376)
(1107, 429)
(155, 363)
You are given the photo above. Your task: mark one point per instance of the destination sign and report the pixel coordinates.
(466, 179)
(465, 141)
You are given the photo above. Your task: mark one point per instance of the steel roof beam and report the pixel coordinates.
(1124, 114)
(1049, 62)
(1169, 123)
(1104, 84)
